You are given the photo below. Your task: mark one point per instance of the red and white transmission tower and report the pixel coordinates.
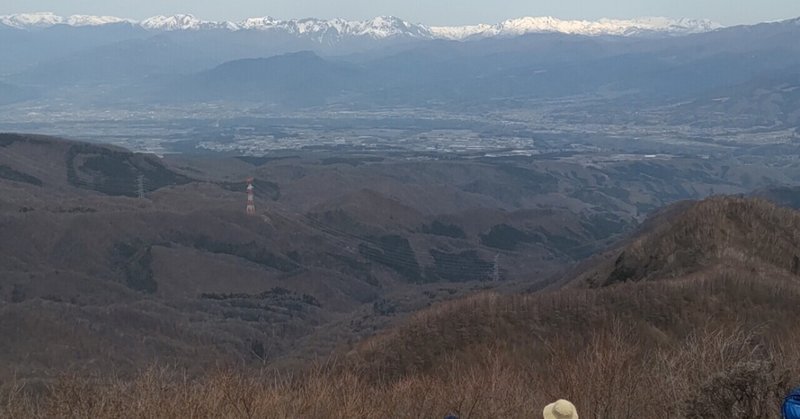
(251, 203)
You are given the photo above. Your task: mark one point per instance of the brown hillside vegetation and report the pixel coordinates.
(785, 196)
(731, 231)
(593, 346)
(720, 346)
(95, 277)
(712, 336)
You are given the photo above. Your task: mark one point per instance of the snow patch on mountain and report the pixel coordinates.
(461, 32)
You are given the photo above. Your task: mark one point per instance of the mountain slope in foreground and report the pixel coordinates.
(748, 235)
(702, 302)
(709, 336)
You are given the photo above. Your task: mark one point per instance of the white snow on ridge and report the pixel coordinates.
(86, 20)
(46, 19)
(31, 20)
(387, 27)
(260, 23)
(462, 32)
(183, 23)
(526, 25)
(380, 27)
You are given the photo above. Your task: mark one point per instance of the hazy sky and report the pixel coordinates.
(432, 12)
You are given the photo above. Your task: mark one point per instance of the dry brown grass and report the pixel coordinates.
(719, 342)
(751, 232)
(607, 379)
(493, 356)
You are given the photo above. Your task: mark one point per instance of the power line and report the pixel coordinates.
(496, 268)
(140, 186)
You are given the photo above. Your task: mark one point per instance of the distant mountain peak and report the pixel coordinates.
(31, 20)
(183, 22)
(380, 27)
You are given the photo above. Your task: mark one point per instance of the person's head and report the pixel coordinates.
(561, 409)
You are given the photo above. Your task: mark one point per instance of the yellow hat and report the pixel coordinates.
(561, 409)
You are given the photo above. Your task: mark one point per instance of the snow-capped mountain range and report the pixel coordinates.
(46, 20)
(380, 27)
(522, 26)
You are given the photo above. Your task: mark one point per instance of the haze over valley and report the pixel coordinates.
(343, 218)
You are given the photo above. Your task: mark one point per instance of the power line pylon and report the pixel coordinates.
(140, 186)
(496, 270)
(251, 202)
